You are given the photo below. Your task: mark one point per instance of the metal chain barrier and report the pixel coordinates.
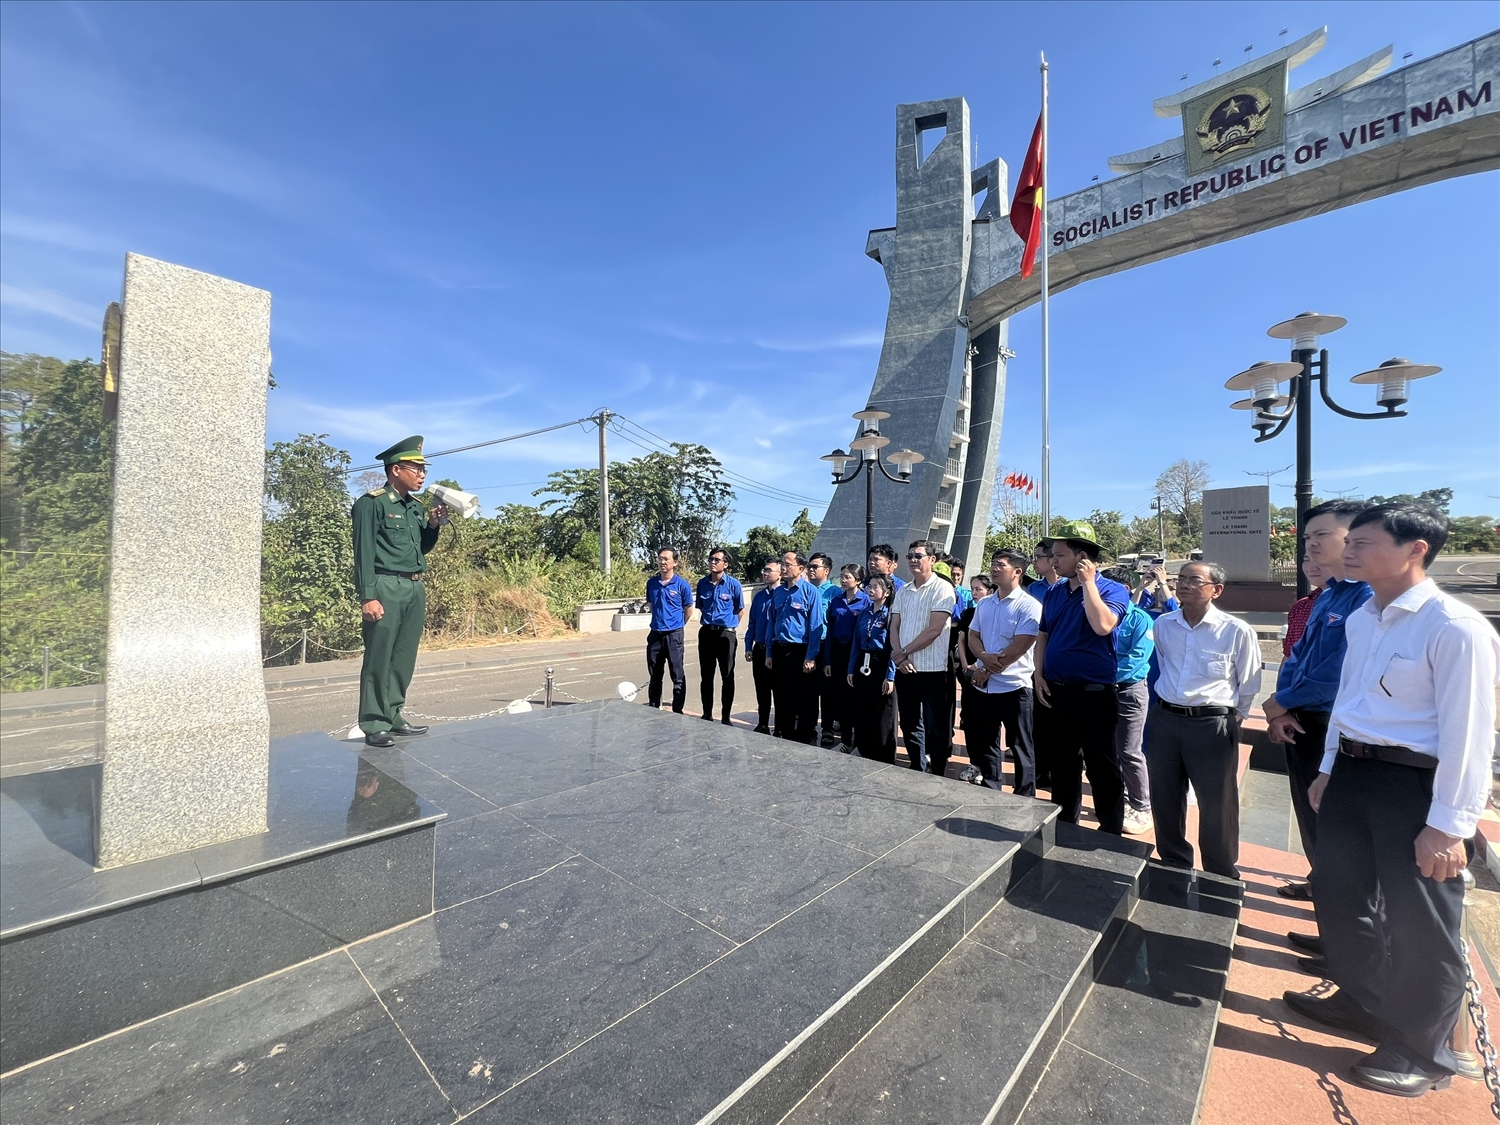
(283, 652)
(76, 668)
(335, 651)
(1482, 1043)
(549, 693)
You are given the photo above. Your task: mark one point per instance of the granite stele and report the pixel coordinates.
(199, 855)
(954, 268)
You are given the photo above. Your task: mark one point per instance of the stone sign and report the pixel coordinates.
(1237, 531)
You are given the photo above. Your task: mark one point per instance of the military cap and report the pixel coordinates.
(407, 449)
(1080, 531)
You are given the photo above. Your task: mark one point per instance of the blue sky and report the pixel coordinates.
(477, 220)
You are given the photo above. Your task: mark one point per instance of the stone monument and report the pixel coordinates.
(186, 729)
(1237, 531)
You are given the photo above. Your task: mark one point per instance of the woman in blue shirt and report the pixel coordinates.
(844, 609)
(872, 677)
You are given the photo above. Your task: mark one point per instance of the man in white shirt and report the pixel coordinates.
(1001, 637)
(920, 619)
(1405, 774)
(1210, 671)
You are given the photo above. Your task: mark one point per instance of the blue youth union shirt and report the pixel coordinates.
(1134, 646)
(1309, 677)
(670, 602)
(1075, 653)
(720, 603)
(797, 616)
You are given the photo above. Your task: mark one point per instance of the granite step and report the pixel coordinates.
(1139, 1048)
(971, 1040)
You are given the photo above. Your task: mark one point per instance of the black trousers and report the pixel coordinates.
(985, 714)
(762, 677)
(1041, 745)
(1205, 751)
(838, 696)
(663, 650)
(791, 687)
(717, 648)
(1400, 961)
(1304, 759)
(1081, 729)
(873, 713)
(923, 701)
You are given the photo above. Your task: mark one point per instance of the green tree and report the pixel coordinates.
(1439, 498)
(307, 552)
(770, 541)
(1473, 533)
(681, 498)
(58, 457)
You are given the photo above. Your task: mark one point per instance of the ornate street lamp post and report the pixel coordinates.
(1272, 411)
(866, 456)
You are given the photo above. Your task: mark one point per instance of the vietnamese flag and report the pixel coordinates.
(1026, 207)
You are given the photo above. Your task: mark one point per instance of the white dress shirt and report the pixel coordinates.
(915, 605)
(1421, 674)
(1215, 663)
(1000, 620)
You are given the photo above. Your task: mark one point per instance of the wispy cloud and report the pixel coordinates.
(827, 344)
(47, 302)
(64, 236)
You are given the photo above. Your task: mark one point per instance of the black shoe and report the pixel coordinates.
(1389, 1073)
(708, 717)
(408, 731)
(829, 742)
(1336, 1011)
(1308, 943)
(380, 738)
(1314, 966)
(727, 721)
(1300, 891)
(762, 730)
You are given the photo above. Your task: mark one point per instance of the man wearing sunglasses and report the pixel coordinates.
(393, 531)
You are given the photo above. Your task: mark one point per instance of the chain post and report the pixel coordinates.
(46, 667)
(302, 657)
(547, 704)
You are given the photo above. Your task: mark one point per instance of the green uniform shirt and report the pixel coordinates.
(389, 534)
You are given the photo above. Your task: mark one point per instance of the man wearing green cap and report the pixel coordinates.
(393, 531)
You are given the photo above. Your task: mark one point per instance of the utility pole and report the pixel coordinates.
(604, 560)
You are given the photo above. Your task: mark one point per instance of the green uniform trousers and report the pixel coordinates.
(390, 652)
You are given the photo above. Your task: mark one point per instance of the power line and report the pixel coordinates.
(482, 444)
(777, 490)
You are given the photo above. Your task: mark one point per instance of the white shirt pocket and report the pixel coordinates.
(1405, 681)
(1216, 665)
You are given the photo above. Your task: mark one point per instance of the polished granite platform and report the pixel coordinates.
(644, 917)
(349, 852)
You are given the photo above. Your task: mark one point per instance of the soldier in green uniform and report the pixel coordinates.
(393, 532)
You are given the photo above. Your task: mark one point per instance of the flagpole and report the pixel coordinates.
(1046, 339)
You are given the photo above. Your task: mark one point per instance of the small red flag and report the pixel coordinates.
(1026, 207)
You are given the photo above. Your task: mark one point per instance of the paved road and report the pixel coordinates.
(586, 668)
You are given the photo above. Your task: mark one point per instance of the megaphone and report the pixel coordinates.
(458, 503)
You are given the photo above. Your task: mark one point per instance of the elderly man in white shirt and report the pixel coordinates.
(1210, 671)
(1404, 778)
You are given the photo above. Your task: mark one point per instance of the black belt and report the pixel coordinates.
(720, 628)
(1396, 755)
(1194, 712)
(414, 575)
(1080, 687)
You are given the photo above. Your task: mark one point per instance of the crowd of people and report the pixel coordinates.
(1138, 681)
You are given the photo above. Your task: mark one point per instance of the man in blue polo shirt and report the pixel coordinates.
(758, 642)
(819, 573)
(721, 606)
(1134, 652)
(796, 637)
(1075, 677)
(1298, 713)
(671, 600)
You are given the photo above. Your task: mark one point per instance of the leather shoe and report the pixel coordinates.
(1468, 1066)
(380, 738)
(1336, 1011)
(408, 730)
(727, 721)
(1308, 943)
(1389, 1073)
(1301, 891)
(1314, 966)
(762, 730)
